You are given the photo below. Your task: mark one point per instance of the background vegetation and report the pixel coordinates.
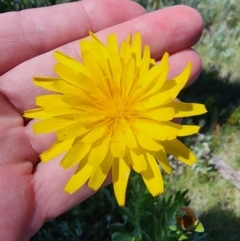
(216, 199)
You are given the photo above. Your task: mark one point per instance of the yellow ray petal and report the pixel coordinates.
(145, 62)
(85, 101)
(179, 130)
(151, 83)
(157, 100)
(148, 80)
(85, 82)
(72, 131)
(125, 51)
(163, 160)
(129, 136)
(86, 117)
(187, 130)
(160, 114)
(95, 134)
(116, 69)
(164, 66)
(67, 74)
(160, 79)
(137, 47)
(37, 113)
(97, 76)
(100, 172)
(100, 55)
(117, 144)
(78, 179)
(71, 63)
(157, 80)
(56, 149)
(152, 176)
(64, 87)
(187, 109)
(152, 129)
(112, 44)
(75, 154)
(137, 159)
(45, 82)
(148, 143)
(175, 85)
(127, 80)
(118, 149)
(95, 38)
(99, 151)
(48, 99)
(84, 45)
(59, 109)
(180, 151)
(120, 175)
(51, 125)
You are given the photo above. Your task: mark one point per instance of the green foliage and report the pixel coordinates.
(234, 118)
(16, 5)
(202, 147)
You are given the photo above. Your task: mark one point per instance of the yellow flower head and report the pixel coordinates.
(113, 112)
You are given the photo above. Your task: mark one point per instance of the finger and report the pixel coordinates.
(17, 201)
(29, 33)
(179, 60)
(167, 30)
(14, 146)
(158, 30)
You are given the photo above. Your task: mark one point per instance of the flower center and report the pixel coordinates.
(118, 114)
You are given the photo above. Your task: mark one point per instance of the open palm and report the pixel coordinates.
(32, 192)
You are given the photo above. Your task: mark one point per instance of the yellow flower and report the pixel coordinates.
(113, 112)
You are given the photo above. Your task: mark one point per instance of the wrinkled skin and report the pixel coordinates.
(32, 192)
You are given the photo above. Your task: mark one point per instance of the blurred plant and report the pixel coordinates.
(234, 118)
(16, 5)
(150, 5)
(202, 149)
(219, 44)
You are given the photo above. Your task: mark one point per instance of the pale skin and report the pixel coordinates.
(32, 192)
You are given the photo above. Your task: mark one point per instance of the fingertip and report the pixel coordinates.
(127, 10)
(197, 66)
(171, 29)
(193, 19)
(179, 60)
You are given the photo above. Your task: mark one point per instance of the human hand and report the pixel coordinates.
(32, 192)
